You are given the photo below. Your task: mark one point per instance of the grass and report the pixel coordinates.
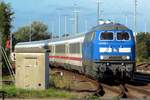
(12, 91)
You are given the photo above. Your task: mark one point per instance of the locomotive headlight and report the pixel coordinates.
(128, 57)
(102, 57)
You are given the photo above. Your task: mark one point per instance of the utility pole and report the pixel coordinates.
(135, 17)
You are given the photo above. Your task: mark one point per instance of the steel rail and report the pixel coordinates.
(140, 90)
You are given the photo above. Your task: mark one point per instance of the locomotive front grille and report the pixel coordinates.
(107, 57)
(115, 58)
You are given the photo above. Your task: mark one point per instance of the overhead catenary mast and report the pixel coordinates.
(72, 25)
(85, 22)
(59, 21)
(30, 39)
(59, 26)
(126, 21)
(52, 29)
(98, 10)
(65, 20)
(145, 26)
(76, 12)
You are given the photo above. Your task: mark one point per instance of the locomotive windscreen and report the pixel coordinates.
(123, 36)
(106, 36)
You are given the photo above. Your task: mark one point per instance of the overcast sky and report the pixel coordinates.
(46, 11)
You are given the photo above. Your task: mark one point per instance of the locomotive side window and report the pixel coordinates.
(60, 48)
(89, 36)
(106, 36)
(123, 36)
(74, 48)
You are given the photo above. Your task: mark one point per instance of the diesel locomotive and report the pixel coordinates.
(107, 49)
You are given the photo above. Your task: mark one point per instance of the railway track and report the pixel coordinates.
(143, 65)
(138, 91)
(105, 89)
(119, 91)
(142, 77)
(131, 89)
(143, 68)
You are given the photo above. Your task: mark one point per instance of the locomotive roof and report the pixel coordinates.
(110, 26)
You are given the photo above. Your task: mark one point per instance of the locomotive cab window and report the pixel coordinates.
(106, 36)
(123, 36)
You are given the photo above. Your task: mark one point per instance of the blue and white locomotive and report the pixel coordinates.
(110, 50)
(107, 49)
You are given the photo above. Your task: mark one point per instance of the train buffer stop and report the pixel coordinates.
(32, 68)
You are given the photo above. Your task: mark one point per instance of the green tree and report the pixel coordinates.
(22, 34)
(5, 21)
(142, 47)
(6, 16)
(37, 30)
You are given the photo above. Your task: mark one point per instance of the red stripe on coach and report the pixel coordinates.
(67, 58)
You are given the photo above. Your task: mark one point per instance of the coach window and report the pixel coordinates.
(60, 49)
(74, 48)
(123, 36)
(106, 36)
